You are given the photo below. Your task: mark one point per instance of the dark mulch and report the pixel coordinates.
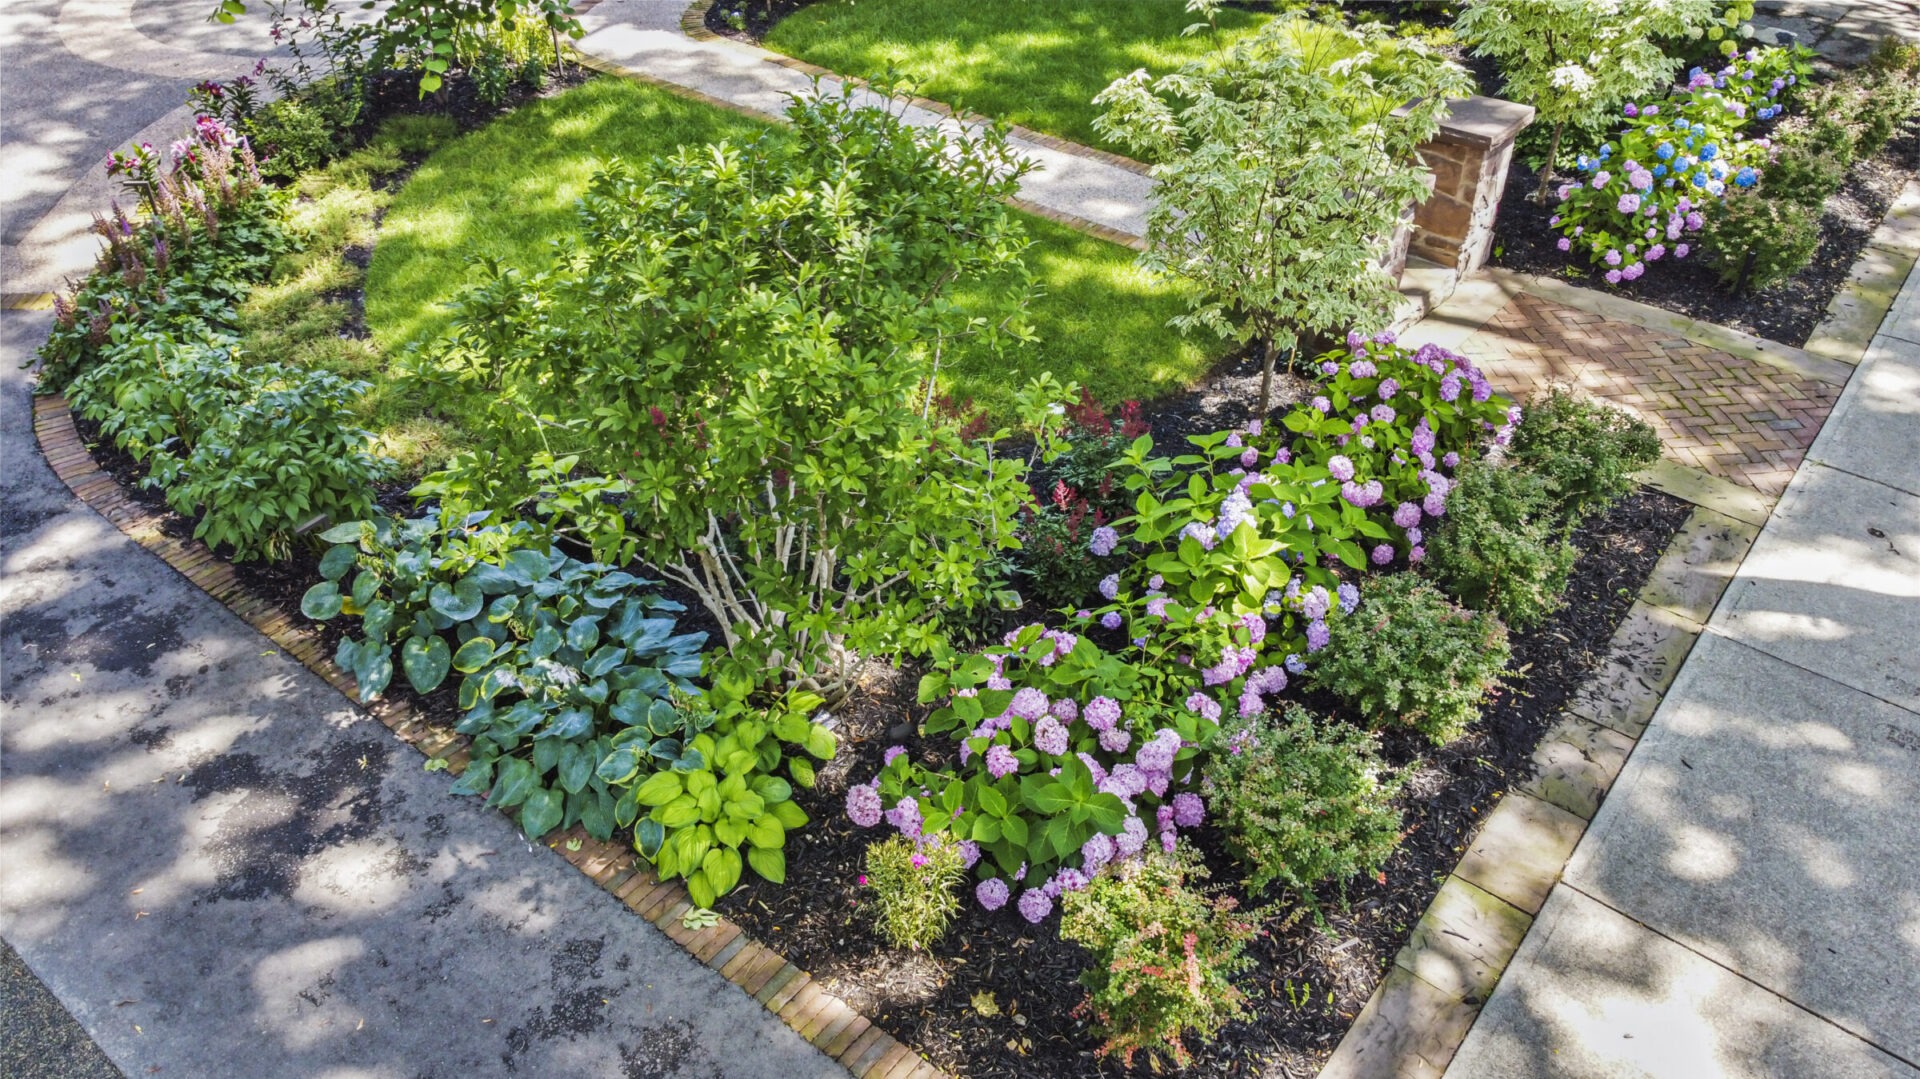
(749, 20)
(1309, 982)
(1787, 312)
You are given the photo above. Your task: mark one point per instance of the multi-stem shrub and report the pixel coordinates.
(1412, 658)
(1588, 452)
(1164, 953)
(1502, 548)
(1755, 241)
(913, 889)
(1300, 802)
(744, 343)
(1055, 564)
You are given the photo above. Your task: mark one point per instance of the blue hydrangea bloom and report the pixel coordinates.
(1699, 129)
(1663, 151)
(1709, 152)
(1699, 179)
(1746, 177)
(1659, 170)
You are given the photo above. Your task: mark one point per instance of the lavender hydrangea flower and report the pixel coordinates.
(1317, 636)
(1103, 542)
(863, 805)
(1235, 511)
(1418, 554)
(1001, 761)
(1115, 740)
(1050, 737)
(1132, 838)
(1340, 466)
(1096, 852)
(1362, 369)
(1250, 704)
(1204, 706)
(1315, 603)
(1200, 533)
(1349, 597)
(1267, 680)
(1157, 755)
(1028, 703)
(1111, 620)
(1101, 713)
(1388, 387)
(1406, 514)
(1127, 781)
(905, 816)
(1070, 880)
(1295, 664)
(1451, 460)
(1383, 413)
(1188, 810)
(969, 853)
(992, 893)
(1450, 388)
(1382, 554)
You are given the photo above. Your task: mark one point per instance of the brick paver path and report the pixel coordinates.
(1730, 417)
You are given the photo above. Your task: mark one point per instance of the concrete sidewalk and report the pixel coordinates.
(1747, 901)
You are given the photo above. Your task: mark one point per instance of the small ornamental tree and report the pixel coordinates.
(1577, 63)
(1286, 165)
(729, 379)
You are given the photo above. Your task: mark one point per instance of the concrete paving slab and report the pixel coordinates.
(1463, 941)
(1766, 820)
(1408, 1030)
(1873, 429)
(1833, 584)
(1594, 995)
(1519, 852)
(1697, 566)
(1575, 764)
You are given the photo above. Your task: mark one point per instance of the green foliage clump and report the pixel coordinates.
(293, 137)
(1164, 952)
(1410, 657)
(913, 889)
(1054, 562)
(1886, 97)
(1301, 803)
(721, 806)
(1501, 548)
(1285, 168)
(560, 662)
(1757, 241)
(1588, 452)
(671, 359)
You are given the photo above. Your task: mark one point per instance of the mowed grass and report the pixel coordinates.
(507, 192)
(1037, 63)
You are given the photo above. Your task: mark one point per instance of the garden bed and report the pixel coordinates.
(1310, 981)
(1787, 313)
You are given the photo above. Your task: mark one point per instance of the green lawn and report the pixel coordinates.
(507, 191)
(1038, 63)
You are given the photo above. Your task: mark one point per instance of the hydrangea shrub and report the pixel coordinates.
(1644, 194)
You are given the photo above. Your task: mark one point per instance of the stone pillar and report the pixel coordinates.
(1469, 159)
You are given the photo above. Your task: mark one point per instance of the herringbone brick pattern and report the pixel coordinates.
(1728, 416)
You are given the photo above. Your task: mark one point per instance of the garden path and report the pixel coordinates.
(1746, 903)
(644, 38)
(213, 864)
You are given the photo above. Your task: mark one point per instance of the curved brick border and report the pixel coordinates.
(817, 1015)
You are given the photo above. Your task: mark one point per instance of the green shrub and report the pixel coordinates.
(292, 136)
(1299, 803)
(1408, 656)
(1757, 242)
(1888, 96)
(913, 889)
(1055, 565)
(1810, 160)
(1588, 452)
(1164, 956)
(1501, 548)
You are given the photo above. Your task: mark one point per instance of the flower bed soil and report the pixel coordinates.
(996, 997)
(1787, 312)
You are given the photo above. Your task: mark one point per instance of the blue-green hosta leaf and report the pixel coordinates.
(492, 580)
(459, 602)
(621, 765)
(322, 601)
(570, 724)
(365, 585)
(473, 655)
(516, 779)
(603, 661)
(595, 812)
(373, 669)
(576, 768)
(503, 608)
(584, 633)
(426, 661)
(663, 718)
(526, 567)
(630, 707)
(477, 779)
(344, 532)
(648, 835)
(546, 640)
(542, 812)
(337, 561)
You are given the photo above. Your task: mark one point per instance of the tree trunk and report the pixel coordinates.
(1746, 268)
(1266, 375)
(1546, 170)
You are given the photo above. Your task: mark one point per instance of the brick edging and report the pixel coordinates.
(823, 1019)
(693, 23)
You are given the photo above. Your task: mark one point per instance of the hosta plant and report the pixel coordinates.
(560, 662)
(724, 805)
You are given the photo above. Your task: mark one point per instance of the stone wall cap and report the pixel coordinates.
(1484, 121)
